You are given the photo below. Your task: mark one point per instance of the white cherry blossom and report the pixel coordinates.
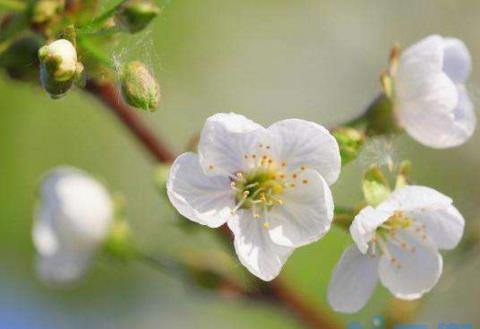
(270, 185)
(397, 243)
(430, 99)
(71, 222)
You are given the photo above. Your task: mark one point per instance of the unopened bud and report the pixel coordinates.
(17, 59)
(375, 186)
(45, 10)
(58, 67)
(135, 15)
(350, 142)
(139, 87)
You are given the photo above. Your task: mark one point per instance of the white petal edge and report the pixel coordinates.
(415, 197)
(43, 234)
(300, 142)
(419, 271)
(427, 111)
(64, 266)
(420, 60)
(353, 281)
(444, 226)
(306, 214)
(457, 62)
(207, 200)
(254, 248)
(225, 139)
(365, 223)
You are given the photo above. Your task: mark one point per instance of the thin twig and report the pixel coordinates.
(108, 94)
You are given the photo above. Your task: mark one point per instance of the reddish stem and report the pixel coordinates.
(109, 95)
(276, 291)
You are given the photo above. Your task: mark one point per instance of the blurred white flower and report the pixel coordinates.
(431, 102)
(396, 242)
(72, 221)
(270, 185)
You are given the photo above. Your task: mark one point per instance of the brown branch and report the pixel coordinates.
(276, 291)
(108, 94)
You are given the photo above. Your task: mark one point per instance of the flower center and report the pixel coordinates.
(388, 232)
(258, 188)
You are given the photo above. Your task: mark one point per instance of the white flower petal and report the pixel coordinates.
(418, 271)
(425, 109)
(464, 120)
(415, 197)
(76, 207)
(207, 200)
(71, 222)
(444, 226)
(226, 138)
(299, 142)
(353, 281)
(457, 62)
(64, 266)
(430, 104)
(365, 223)
(306, 214)
(254, 248)
(43, 233)
(420, 60)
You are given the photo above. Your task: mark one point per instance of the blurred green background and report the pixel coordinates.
(268, 59)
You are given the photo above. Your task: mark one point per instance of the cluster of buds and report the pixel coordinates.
(59, 67)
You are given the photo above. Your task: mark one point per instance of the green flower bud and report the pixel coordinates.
(375, 186)
(140, 89)
(44, 11)
(350, 142)
(58, 67)
(135, 15)
(403, 174)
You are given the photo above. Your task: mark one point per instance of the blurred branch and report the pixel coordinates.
(276, 291)
(108, 94)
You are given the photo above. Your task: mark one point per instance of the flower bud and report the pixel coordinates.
(45, 10)
(140, 89)
(375, 186)
(135, 15)
(17, 59)
(58, 67)
(350, 142)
